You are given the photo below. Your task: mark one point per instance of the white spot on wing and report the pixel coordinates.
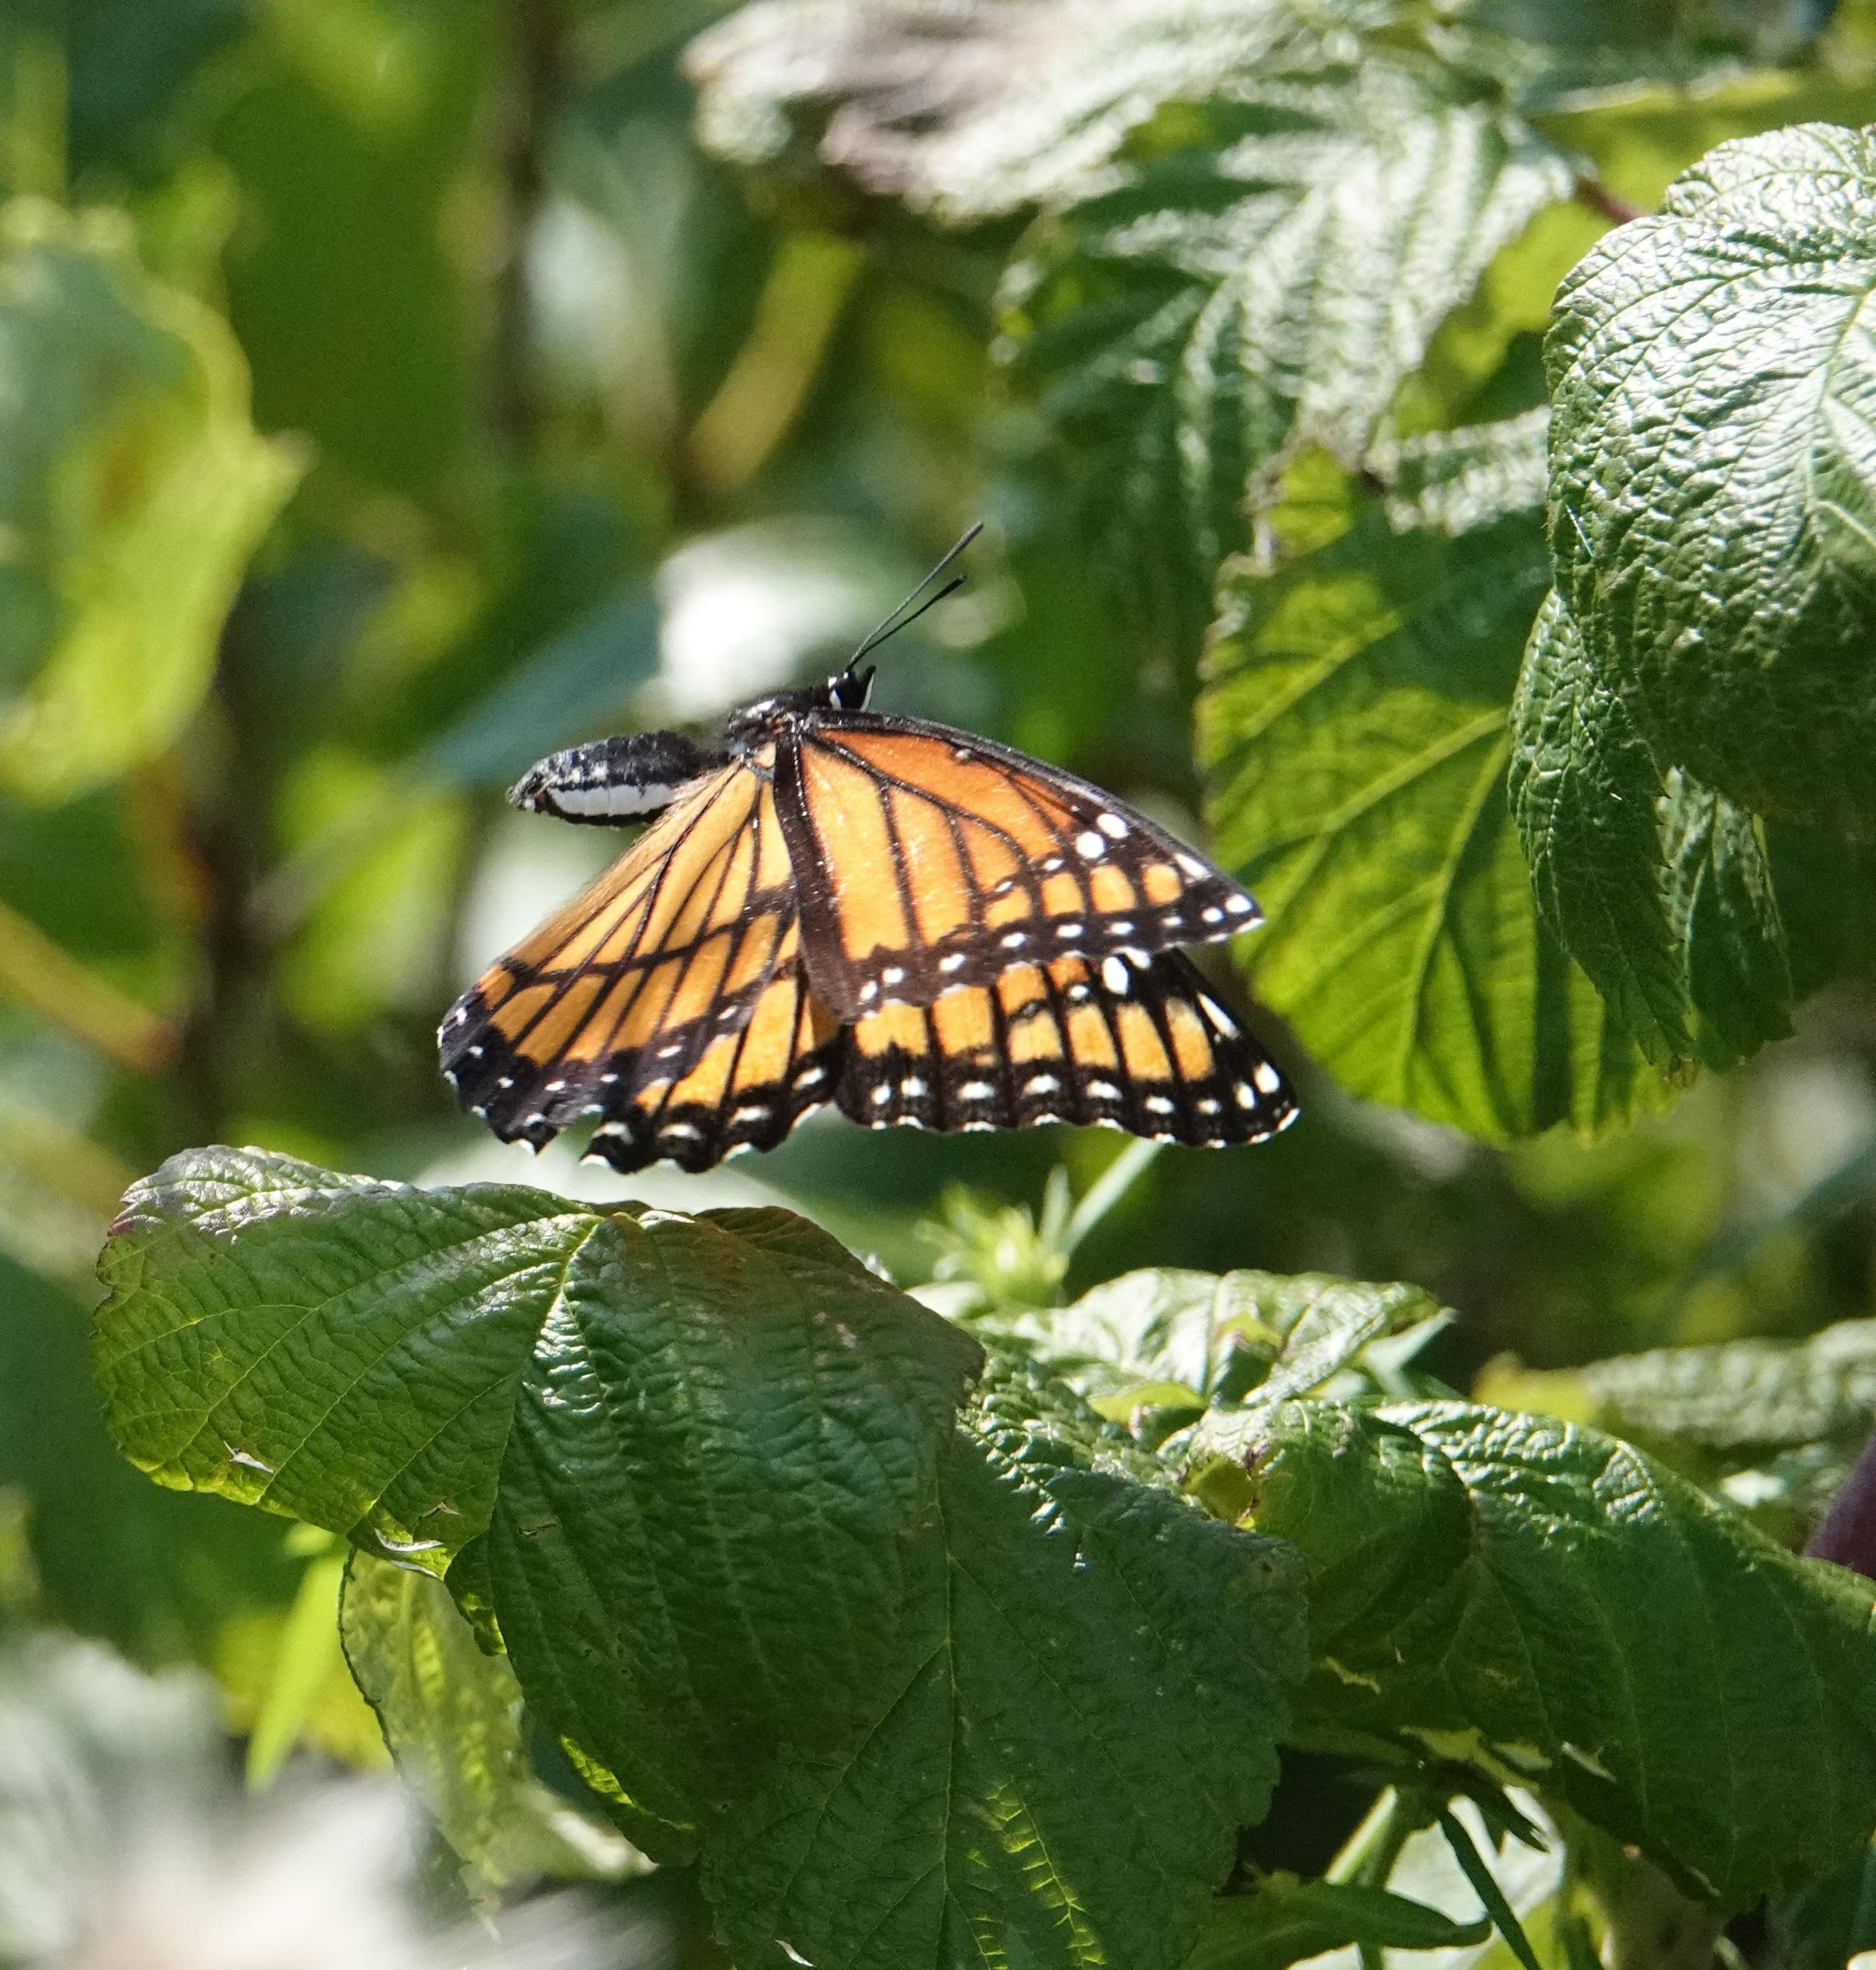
(1266, 1076)
(1089, 845)
(1115, 975)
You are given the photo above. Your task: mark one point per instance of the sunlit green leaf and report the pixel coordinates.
(133, 489)
(1713, 456)
(1354, 738)
(1214, 1338)
(673, 1459)
(1269, 289)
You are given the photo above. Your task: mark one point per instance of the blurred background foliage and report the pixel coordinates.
(391, 391)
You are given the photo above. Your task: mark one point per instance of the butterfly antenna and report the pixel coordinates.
(898, 620)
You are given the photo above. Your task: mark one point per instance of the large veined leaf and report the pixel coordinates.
(1352, 732)
(1713, 458)
(1089, 1711)
(133, 489)
(1268, 287)
(971, 110)
(1658, 886)
(1544, 1597)
(674, 1460)
(452, 1718)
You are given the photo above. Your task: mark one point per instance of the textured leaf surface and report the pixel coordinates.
(133, 489)
(970, 109)
(1760, 1394)
(1268, 289)
(1548, 1596)
(1287, 1921)
(454, 1720)
(1165, 1331)
(1353, 736)
(1713, 458)
(1090, 1711)
(1450, 481)
(675, 1458)
(1658, 886)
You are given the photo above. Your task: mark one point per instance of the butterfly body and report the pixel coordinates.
(828, 904)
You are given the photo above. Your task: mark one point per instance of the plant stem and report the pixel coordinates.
(43, 974)
(1590, 190)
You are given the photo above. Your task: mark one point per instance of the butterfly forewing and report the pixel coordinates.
(1139, 1044)
(673, 949)
(929, 860)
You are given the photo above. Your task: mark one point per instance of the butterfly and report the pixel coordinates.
(830, 905)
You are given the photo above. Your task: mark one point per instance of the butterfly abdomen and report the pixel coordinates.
(612, 781)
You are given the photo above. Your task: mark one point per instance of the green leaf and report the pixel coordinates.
(133, 490)
(1096, 1677)
(1012, 109)
(1743, 1394)
(1288, 1920)
(1658, 887)
(674, 1460)
(1270, 290)
(1214, 1338)
(1547, 1600)
(453, 1719)
(1353, 733)
(1449, 481)
(1713, 471)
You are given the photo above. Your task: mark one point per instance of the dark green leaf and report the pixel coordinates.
(453, 1719)
(1287, 1920)
(1096, 1677)
(673, 1458)
(1657, 886)
(1544, 1597)
(1353, 734)
(1713, 471)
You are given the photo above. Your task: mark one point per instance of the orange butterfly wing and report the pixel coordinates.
(1138, 1044)
(993, 926)
(930, 859)
(669, 998)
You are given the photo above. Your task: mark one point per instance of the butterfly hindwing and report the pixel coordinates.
(929, 860)
(676, 948)
(747, 1090)
(1138, 1044)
